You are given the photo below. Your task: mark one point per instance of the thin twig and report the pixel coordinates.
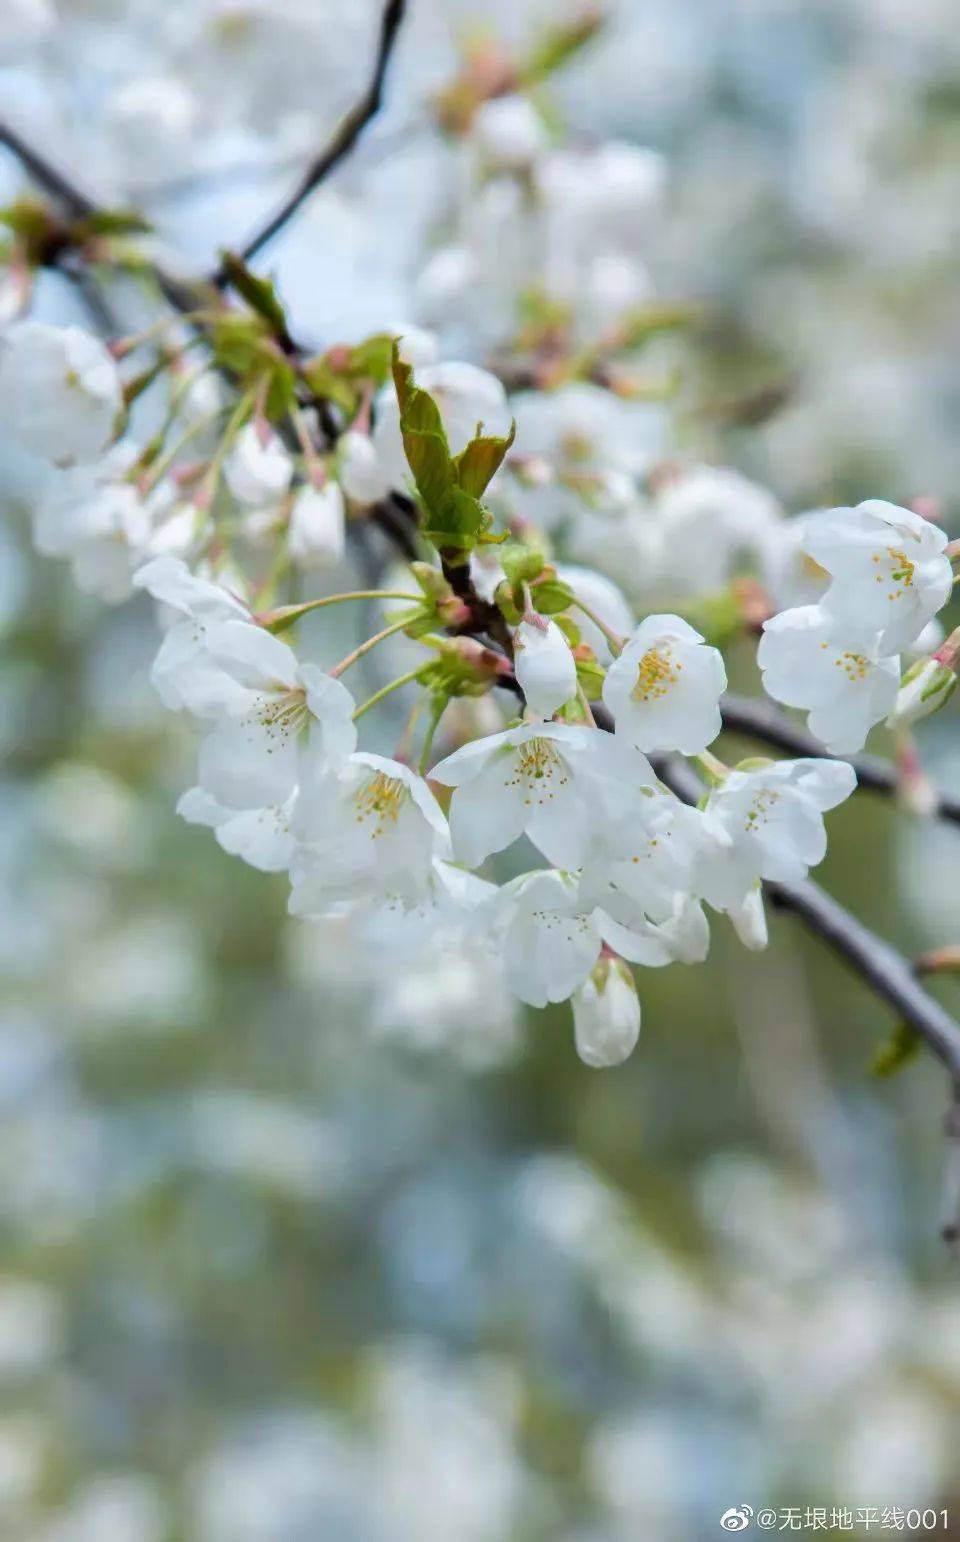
(761, 720)
(339, 146)
(887, 973)
(183, 293)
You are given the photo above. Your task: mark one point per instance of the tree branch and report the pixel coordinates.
(339, 146)
(762, 720)
(880, 966)
(182, 292)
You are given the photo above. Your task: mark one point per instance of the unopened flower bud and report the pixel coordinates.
(750, 921)
(606, 1014)
(317, 533)
(545, 666)
(510, 132)
(926, 687)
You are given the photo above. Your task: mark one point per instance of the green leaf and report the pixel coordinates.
(259, 293)
(325, 382)
(478, 464)
(560, 44)
(455, 519)
(897, 1051)
(111, 222)
(372, 359)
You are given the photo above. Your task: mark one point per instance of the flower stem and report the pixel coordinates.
(371, 642)
(387, 690)
(278, 620)
(439, 709)
(617, 643)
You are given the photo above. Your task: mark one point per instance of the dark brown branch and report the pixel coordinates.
(762, 720)
(340, 145)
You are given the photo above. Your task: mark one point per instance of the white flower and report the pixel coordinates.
(773, 816)
(888, 572)
(606, 1015)
(605, 599)
(750, 921)
(258, 468)
(359, 469)
(60, 392)
(927, 686)
(369, 830)
(261, 836)
(545, 667)
(549, 943)
(317, 533)
(509, 132)
(845, 691)
(445, 915)
(664, 689)
(294, 718)
(90, 515)
(114, 533)
(465, 396)
(643, 860)
(183, 673)
(554, 782)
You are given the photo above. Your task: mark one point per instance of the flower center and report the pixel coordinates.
(379, 800)
(761, 809)
(539, 769)
(657, 671)
(282, 716)
(854, 666)
(895, 569)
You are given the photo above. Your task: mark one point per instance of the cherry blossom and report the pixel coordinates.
(317, 533)
(544, 665)
(183, 673)
(888, 573)
(261, 836)
(60, 392)
(549, 942)
(101, 523)
(292, 714)
(368, 829)
(606, 1015)
(665, 687)
(258, 469)
(843, 690)
(773, 816)
(554, 782)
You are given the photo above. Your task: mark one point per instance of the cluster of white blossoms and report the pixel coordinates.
(884, 575)
(625, 867)
(556, 556)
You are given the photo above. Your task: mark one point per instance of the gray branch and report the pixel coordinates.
(761, 720)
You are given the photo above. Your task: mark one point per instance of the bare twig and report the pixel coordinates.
(887, 973)
(761, 720)
(183, 293)
(339, 146)
(72, 197)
